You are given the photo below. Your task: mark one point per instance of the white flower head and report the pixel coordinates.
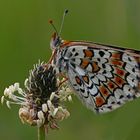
(41, 115)
(42, 99)
(2, 99)
(44, 108)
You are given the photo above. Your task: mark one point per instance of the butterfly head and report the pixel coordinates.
(55, 41)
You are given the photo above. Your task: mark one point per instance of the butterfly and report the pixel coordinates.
(104, 77)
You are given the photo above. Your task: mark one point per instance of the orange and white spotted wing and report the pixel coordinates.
(104, 77)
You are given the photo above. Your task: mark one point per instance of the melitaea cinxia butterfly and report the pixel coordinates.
(104, 77)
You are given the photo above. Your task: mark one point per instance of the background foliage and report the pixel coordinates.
(24, 38)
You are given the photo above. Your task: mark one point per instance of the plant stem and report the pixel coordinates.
(41, 133)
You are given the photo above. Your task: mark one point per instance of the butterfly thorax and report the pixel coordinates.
(60, 60)
(59, 47)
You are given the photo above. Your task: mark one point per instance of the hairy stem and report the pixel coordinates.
(41, 133)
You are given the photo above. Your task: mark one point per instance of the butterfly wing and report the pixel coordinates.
(103, 77)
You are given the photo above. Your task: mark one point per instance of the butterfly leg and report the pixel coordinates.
(52, 57)
(63, 80)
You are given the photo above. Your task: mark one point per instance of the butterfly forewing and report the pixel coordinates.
(103, 77)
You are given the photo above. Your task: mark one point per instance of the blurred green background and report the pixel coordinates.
(25, 37)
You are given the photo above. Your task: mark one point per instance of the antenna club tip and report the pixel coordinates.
(66, 11)
(51, 21)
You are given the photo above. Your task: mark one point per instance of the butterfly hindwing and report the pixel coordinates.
(103, 77)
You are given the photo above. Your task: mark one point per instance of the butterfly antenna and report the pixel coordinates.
(62, 23)
(51, 22)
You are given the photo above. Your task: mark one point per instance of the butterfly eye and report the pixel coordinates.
(55, 41)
